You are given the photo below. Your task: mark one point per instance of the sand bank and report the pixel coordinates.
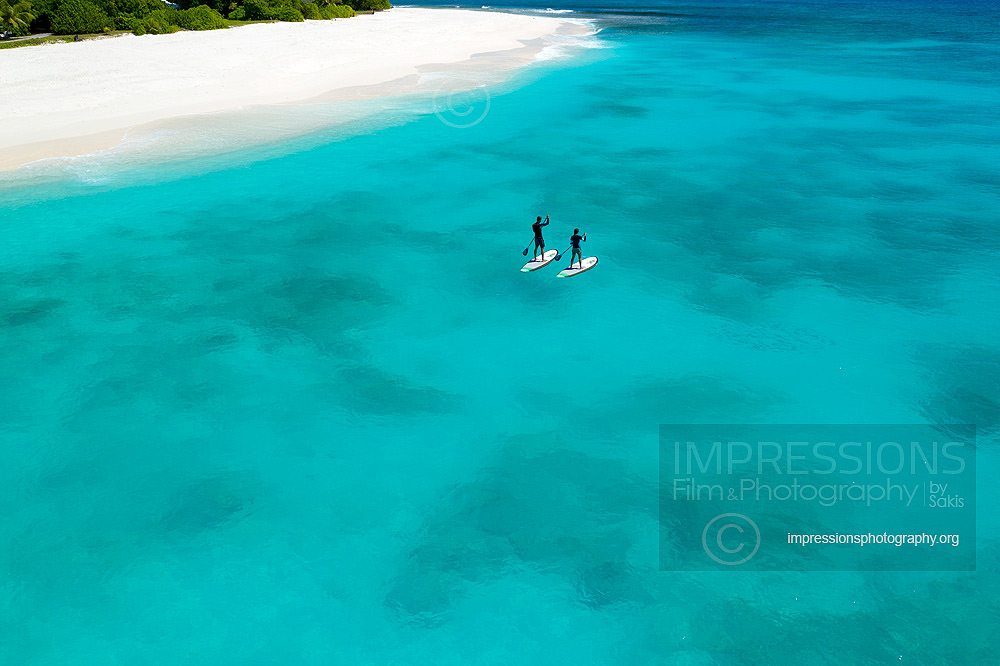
(67, 99)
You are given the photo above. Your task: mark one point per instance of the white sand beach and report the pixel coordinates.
(68, 99)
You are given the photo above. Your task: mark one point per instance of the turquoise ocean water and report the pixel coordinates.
(296, 404)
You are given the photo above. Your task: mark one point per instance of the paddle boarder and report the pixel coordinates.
(575, 241)
(539, 241)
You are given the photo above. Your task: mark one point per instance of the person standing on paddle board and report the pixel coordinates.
(575, 241)
(539, 241)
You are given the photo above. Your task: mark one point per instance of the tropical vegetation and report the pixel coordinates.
(86, 17)
(15, 17)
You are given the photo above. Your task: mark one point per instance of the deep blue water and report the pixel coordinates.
(297, 404)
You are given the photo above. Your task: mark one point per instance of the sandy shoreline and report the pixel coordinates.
(69, 99)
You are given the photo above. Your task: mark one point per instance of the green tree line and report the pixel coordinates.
(74, 17)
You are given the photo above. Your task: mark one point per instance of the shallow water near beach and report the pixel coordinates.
(297, 404)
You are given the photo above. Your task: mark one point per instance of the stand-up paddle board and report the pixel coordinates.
(575, 269)
(535, 264)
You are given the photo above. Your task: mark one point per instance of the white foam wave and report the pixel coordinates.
(562, 46)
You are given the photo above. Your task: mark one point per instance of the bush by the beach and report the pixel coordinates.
(271, 10)
(138, 8)
(337, 11)
(162, 21)
(311, 11)
(257, 10)
(127, 21)
(201, 18)
(369, 5)
(74, 17)
(290, 14)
